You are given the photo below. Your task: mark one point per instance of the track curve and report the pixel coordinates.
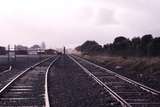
(28, 88)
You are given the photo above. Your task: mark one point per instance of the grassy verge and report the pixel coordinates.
(144, 70)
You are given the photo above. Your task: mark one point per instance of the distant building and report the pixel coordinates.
(21, 47)
(2, 50)
(50, 51)
(21, 50)
(34, 50)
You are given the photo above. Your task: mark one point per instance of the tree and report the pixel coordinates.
(145, 46)
(89, 47)
(108, 48)
(145, 41)
(36, 47)
(121, 44)
(154, 47)
(136, 42)
(78, 48)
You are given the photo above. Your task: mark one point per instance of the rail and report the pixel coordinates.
(115, 95)
(146, 88)
(46, 83)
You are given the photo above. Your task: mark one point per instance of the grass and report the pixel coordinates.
(142, 69)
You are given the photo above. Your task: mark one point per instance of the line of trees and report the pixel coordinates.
(144, 46)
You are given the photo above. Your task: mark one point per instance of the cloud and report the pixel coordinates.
(106, 17)
(61, 22)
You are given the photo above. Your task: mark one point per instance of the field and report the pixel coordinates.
(141, 69)
(21, 61)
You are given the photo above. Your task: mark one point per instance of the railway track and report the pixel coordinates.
(29, 88)
(70, 86)
(126, 91)
(19, 66)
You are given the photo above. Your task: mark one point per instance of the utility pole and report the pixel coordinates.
(64, 50)
(15, 57)
(27, 55)
(8, 54)
(40, 54)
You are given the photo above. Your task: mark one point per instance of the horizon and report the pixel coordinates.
(70, 23)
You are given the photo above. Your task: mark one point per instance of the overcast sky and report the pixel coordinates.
(71, 22)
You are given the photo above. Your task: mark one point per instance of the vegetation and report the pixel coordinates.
(145, 46)
(141, 69)
(89, 47)
(136, 58)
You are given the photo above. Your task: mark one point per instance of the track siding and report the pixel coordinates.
(27, 90)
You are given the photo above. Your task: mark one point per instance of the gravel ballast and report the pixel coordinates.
(70, 86)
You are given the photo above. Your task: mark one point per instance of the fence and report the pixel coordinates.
(20, 58)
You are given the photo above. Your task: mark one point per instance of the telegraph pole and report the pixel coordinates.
(8, 54)
(15, 57)
(40, 54)
(64, 50)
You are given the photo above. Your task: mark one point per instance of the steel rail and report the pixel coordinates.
(28, 69)
(112, 93)
(47, 104)
(144, 87)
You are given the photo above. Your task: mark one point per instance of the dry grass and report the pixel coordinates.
(142, 69)
(130, 63)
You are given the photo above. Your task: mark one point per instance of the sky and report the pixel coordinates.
(69, 23)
